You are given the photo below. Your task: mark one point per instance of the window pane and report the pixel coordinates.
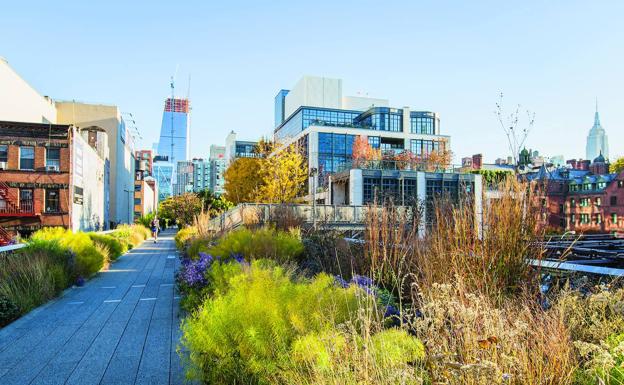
(27, 158)
(52, 201)
(4, 153)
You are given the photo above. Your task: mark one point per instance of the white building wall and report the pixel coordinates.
(361, 103)
(121, 151)
(356, 186)
(20, 102)
(313, 91)
(88, 209)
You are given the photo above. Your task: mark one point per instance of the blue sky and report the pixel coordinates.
(453, 57)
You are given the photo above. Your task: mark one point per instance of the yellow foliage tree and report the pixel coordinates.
(617, 166)
(284, 176)
(243, 180)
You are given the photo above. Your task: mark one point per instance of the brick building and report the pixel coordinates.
(583, 199)
(41, 181)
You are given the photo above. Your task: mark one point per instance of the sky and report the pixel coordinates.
(553, 58)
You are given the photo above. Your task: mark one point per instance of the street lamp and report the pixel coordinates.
(313, 172)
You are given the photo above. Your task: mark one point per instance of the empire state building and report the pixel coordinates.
(597, 141)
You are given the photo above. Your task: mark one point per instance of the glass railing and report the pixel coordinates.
(398, 165)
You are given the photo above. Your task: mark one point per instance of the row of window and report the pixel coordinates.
(27, 157)
(422, 125)
(424, 147)
(587, 202)
(26, 201)
(588, 186)
(587, 219)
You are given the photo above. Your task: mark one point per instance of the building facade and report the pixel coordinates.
(44, 180)
(202, 172)
(324, 124)
(239, 148)
(582, 199)
(108, 119)
(217, 168)
(19, 102)
(163, 173)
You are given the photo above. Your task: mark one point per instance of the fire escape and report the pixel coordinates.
(13, 207)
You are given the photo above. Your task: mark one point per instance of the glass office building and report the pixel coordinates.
(175, 131)
(280, 106)
(163, 173)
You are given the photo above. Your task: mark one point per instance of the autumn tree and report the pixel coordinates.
(180, 209)
(363, 151)
(243, 180)
(617, 166)
(284, 176)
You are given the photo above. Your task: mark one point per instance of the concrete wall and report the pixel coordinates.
(121, 151)
(88, 208)
(361, 103)
(19, 102)
(314, 91)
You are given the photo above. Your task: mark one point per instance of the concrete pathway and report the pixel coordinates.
(122, 327)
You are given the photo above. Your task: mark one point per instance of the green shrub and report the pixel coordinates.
(604, 362)
(115, 246)
(197, 245)
(146, 220)
(266, 243)
(131, 235)
(89, 257)
(184, 235)
(8, 311)
(245, 334)
(389, 356)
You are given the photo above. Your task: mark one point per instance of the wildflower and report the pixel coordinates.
(362, 281)
(339, 281)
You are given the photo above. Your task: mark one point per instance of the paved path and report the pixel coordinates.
(122, 327)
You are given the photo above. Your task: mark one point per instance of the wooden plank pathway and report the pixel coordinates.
(122, 327)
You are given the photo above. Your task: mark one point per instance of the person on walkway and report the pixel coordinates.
(155, 228)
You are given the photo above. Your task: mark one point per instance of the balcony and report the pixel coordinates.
(11, 206)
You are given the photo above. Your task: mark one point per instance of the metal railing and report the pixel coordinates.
(259, 213)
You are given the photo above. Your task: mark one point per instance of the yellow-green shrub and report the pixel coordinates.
(266, 243)
(115, 246)
(184, 235)
(347, 356)
(245, 334)
(131, 235)
(89, 257)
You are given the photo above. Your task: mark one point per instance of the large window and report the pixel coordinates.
(26, 199)
(334, 151)
(52, 201)
(53, 158)
(4, 153)
(27, 158)
(425, 147)
(422, 125)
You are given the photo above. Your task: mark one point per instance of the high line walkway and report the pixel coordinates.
(121, 327)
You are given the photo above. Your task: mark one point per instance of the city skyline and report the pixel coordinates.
(471, 54)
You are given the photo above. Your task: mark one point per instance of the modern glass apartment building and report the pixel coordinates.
(326, 132)
(202, 172)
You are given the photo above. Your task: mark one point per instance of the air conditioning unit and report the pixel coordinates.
(52, 168)
(3, 165)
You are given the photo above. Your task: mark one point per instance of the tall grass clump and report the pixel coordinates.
(486, 247)
(90, 258)
(35, 274)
